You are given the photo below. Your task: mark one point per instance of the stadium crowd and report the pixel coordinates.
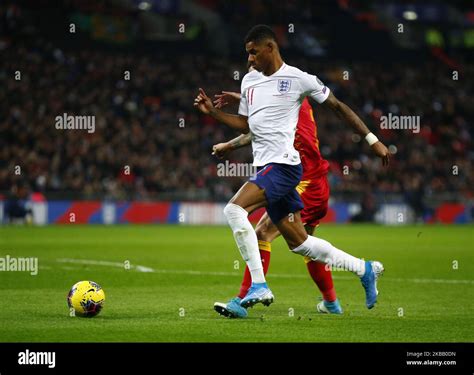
(150, 142)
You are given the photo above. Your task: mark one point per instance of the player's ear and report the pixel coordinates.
(270, 45)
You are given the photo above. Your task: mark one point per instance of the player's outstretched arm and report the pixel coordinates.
(344, 112)
(204, 104)
(222, 149)
(226, 98)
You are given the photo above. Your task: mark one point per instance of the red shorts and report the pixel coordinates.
(315, 196)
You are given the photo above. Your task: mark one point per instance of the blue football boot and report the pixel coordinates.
(369, 281)
(232, 309)
(325, 307)
(258, 293)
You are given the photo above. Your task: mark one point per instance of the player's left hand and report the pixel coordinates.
(382, 152)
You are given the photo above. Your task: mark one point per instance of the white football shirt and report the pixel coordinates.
(272, 105)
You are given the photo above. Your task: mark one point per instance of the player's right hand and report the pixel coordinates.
(203, 102)
(221, 150)
(226, 98)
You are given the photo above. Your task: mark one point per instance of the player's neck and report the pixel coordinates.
(274, 66)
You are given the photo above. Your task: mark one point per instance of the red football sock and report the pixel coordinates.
(265, 249)
(323, 279)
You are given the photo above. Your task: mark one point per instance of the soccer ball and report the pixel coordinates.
(86, 298)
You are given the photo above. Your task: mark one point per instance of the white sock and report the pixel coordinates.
(246, 240)
(322, 251)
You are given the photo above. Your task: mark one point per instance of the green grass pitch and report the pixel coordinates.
(426, 293)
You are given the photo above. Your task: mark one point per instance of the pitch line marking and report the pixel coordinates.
(275, 275)
(104, 263)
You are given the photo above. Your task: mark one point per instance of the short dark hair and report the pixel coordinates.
(259, 33)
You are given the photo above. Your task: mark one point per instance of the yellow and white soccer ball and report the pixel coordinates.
(86, 298)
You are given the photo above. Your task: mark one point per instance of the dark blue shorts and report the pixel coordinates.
(279, 182)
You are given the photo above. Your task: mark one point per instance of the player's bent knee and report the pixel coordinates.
(315, 248)
(262, 233)
(295, 239)
(233, 212)
(306, 248)
(303, 249)
(228, 210)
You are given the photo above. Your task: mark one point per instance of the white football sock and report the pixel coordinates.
(322, 251)
(246, 240)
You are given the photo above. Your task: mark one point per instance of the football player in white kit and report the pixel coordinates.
(271, 98)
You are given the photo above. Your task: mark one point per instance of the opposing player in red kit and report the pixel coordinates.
(314, 192)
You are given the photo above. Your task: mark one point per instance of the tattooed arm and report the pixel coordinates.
(222, 149)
